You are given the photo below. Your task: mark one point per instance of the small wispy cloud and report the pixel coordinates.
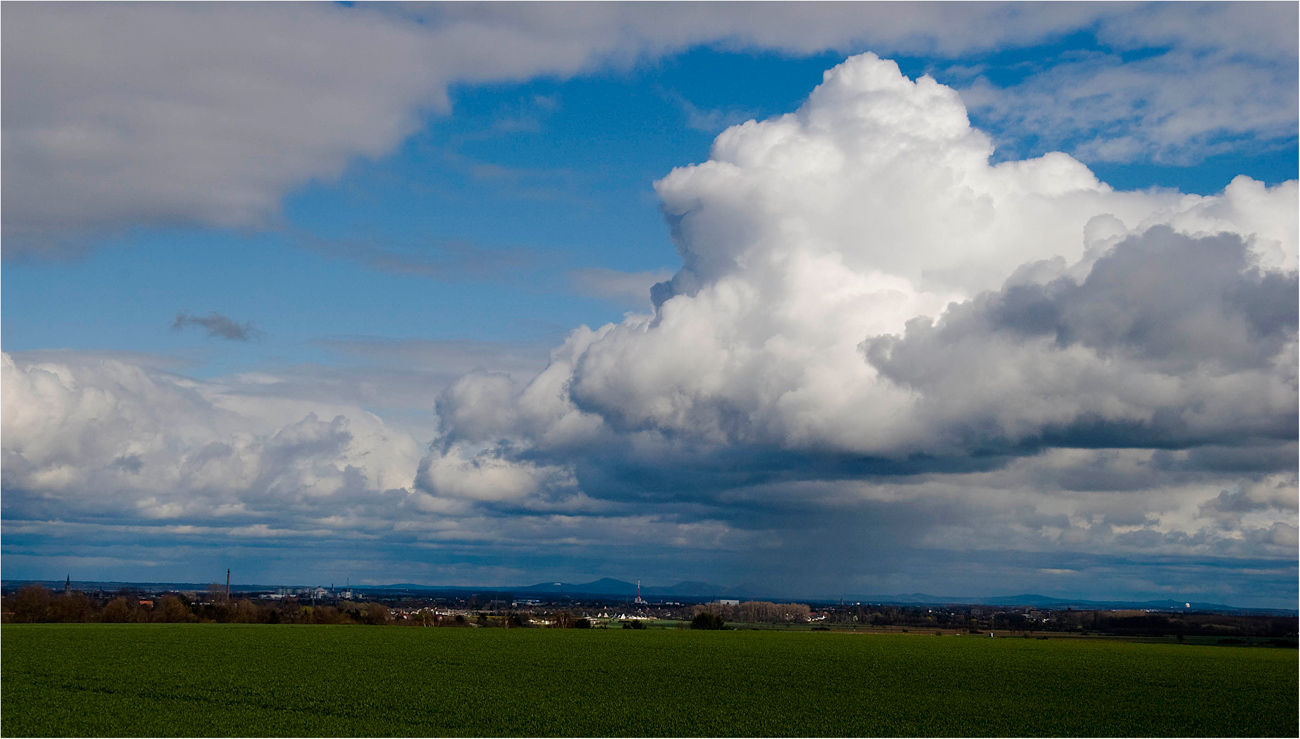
(630, 289)
(449, 260)
(217, 326)
(704, 119)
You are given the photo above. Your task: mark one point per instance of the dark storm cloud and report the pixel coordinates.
(1255, 458)
(217, 326)
(718, 472)
(129, 462)
(1170, 341)
(1164, 298)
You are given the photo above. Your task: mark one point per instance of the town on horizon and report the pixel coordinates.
(617, 591)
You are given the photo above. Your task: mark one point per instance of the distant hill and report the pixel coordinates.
(1028, 599)
(610, 587)
(1042, 601)
(604, 586)
(695, 589)
(607, 587)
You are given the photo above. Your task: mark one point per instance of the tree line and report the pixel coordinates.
(35, 604)
(756, 611)
(1122, 623)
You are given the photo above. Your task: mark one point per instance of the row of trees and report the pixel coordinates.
(756, 611)
(1126, 623)
(708, 621)
(35, 604)
(899, 616)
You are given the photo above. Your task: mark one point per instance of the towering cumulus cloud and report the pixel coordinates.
(865, 300)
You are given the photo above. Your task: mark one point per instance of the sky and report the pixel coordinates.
(819, 300)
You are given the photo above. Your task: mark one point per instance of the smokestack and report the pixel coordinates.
(227, 584)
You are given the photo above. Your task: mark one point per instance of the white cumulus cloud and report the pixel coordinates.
(803, 235)
(101, 435)
(859, 282)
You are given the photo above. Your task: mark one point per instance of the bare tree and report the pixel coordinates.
(244, 612)
(377, 614)
(120, 610)
(31, 604)
(216, 592)
(72, 608)
(170, 609)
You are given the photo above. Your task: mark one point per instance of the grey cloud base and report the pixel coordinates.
(1169, 342)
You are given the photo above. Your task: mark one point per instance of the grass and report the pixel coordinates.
(221, 680)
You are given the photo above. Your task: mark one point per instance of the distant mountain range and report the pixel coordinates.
(1042, 601)
(699, 591)
(605, 587)
(612, 588)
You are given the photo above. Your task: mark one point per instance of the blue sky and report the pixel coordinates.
(430, 233)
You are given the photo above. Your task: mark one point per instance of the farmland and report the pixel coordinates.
(214, 679)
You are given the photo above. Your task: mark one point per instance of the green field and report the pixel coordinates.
(215, 680)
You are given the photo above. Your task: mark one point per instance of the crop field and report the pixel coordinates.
(220, 680)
